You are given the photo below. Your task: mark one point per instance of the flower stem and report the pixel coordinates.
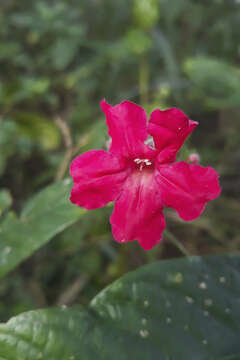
(143, 79)
(176, 243)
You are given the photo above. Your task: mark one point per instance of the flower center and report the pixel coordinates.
(141, 163)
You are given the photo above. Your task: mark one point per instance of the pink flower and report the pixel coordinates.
(140, 178)
(194, 158)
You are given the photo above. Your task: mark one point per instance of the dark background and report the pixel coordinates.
(58, 59)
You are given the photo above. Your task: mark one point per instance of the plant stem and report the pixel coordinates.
(176, 243)
(143, 79)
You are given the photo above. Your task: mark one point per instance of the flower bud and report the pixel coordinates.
(194, 158)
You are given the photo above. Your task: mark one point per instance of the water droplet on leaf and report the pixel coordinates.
(189, 299)
(146, 303)
(222, 279)
(203, 285)
(144, 333)
(168, 320)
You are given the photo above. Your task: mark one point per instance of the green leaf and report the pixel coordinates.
(5, 200)
(176, 309)
(47, 214)
(214, 80)
(39, 129)
(63, 52)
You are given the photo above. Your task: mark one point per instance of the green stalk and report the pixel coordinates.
(143, 79)
(176, 243)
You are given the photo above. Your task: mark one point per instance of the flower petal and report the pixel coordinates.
(169, 129)
(187, 188)
(127, 123)
(98, 178)
(138, 211)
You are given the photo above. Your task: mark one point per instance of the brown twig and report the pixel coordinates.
(71, 292)
(67, 139)
(71, 149)
(176, 243)
(82, 142)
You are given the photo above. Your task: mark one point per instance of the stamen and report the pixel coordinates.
(138, 161)
(142, 163)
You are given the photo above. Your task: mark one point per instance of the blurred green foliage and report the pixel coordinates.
(58, 59)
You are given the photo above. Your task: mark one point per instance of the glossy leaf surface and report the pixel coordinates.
(172, 309)
(47, 214)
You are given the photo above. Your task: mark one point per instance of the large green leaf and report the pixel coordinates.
(47, 214)
(5, 200)
(179, 309)
(215, 81)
